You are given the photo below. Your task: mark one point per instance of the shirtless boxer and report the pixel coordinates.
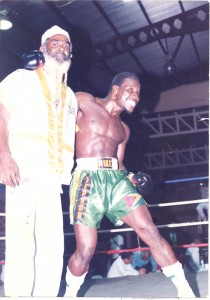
(100, 185)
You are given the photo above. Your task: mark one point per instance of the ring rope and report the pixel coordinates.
(186, 179)
(147, 248)
(178, 203)
(168, 204)
(158, 226)
(131, 229)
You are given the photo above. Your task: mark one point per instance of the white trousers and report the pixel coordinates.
(34, 239)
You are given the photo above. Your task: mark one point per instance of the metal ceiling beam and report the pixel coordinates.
(58, 14)
(192, 21)
(152, 26)
(179, 158)
(162, 125)
(191, 37)
(101, 10)
(178, 46)
(178, 123)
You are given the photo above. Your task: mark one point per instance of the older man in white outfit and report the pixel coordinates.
(37, 129)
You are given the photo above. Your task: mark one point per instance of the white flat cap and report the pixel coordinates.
(53, 31)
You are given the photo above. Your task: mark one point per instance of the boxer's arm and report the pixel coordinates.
(84, 99)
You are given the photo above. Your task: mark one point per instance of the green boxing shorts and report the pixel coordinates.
(101, 190)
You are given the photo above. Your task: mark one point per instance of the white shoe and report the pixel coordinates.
(70, 292)
(186, 292)
(73, 284)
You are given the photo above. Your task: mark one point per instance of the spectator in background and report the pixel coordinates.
(202, 211)
(192, 256)
(122, 266)
(2, 273)
(204, 190)
(116, 243)
(144, 260)
(203, 208)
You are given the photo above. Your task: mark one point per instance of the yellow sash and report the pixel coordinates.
(55, 125)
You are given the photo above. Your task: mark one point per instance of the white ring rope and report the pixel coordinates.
(178, 203)
(158, 226)
(168, 204)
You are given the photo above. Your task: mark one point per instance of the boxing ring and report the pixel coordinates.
(152, 285)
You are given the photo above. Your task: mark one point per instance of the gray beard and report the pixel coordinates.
(55, 68)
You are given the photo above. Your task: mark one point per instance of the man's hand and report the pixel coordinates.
(142, 182)
(9, 172)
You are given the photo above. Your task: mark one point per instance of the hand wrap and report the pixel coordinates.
(142, 182)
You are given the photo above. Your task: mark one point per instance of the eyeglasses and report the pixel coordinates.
(58, 43)
(54, 43)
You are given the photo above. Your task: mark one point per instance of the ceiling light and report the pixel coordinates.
(5, 22)
(169, 67)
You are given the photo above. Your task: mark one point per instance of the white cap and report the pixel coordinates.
(53, 31)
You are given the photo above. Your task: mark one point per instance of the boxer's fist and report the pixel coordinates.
(33, 60)
(142, 182)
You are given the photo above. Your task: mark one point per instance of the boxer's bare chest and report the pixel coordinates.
(98, 121)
